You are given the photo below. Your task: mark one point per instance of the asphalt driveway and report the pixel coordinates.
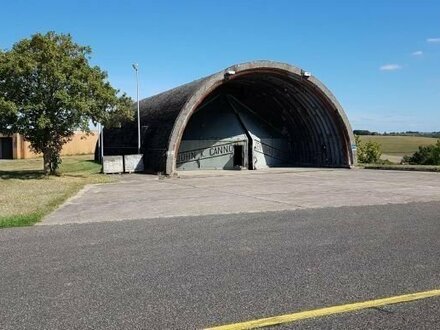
(197, 272)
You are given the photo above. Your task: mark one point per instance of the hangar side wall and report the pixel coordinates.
(211, 154)
(211, 137)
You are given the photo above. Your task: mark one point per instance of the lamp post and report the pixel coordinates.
(101, 142)
(136, 68)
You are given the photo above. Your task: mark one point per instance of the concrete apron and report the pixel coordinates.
(195, 193)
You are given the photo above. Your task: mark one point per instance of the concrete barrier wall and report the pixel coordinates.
(113, 164)
(133, 163)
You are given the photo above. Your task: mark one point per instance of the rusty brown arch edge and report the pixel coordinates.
(217, 79)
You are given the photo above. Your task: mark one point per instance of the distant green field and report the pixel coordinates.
(399, 145)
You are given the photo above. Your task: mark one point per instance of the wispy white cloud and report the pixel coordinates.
(385, 118)
(390, 67)
(433, 40)
(417, 53)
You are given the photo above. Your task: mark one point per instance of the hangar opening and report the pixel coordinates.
(265, 120)
(250, 116)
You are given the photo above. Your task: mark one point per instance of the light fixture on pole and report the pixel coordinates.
(136, 68)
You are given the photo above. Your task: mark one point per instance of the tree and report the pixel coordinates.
(426, 155)
(361, 132)
(48, 90)
(369, 152)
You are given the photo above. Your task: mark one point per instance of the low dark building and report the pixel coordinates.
(252, 115)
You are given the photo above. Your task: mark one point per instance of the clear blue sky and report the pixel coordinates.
(380, 58)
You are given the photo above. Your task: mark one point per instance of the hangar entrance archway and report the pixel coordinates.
(267, 118)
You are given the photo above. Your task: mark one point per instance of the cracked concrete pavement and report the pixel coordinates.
(139, 196)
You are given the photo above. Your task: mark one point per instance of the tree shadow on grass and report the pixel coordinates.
(22, 175)
(83, 170)
(73, 171)
(70, 175)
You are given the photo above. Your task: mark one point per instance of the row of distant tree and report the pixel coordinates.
(407, 133)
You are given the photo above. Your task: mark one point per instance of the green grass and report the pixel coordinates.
(399, 145)
(27, 195)
(20, 220)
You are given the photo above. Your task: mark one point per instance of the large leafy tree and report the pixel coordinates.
(48, 89)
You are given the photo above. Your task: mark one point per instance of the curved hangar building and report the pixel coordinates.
(249, 116)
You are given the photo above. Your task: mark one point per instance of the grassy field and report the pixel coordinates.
(27, 195)
(395, 147)
(399, 145)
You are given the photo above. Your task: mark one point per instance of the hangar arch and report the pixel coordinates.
(310, 110)
(286, 116)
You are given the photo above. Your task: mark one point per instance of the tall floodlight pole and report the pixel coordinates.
(136, 68)
(101, 141)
